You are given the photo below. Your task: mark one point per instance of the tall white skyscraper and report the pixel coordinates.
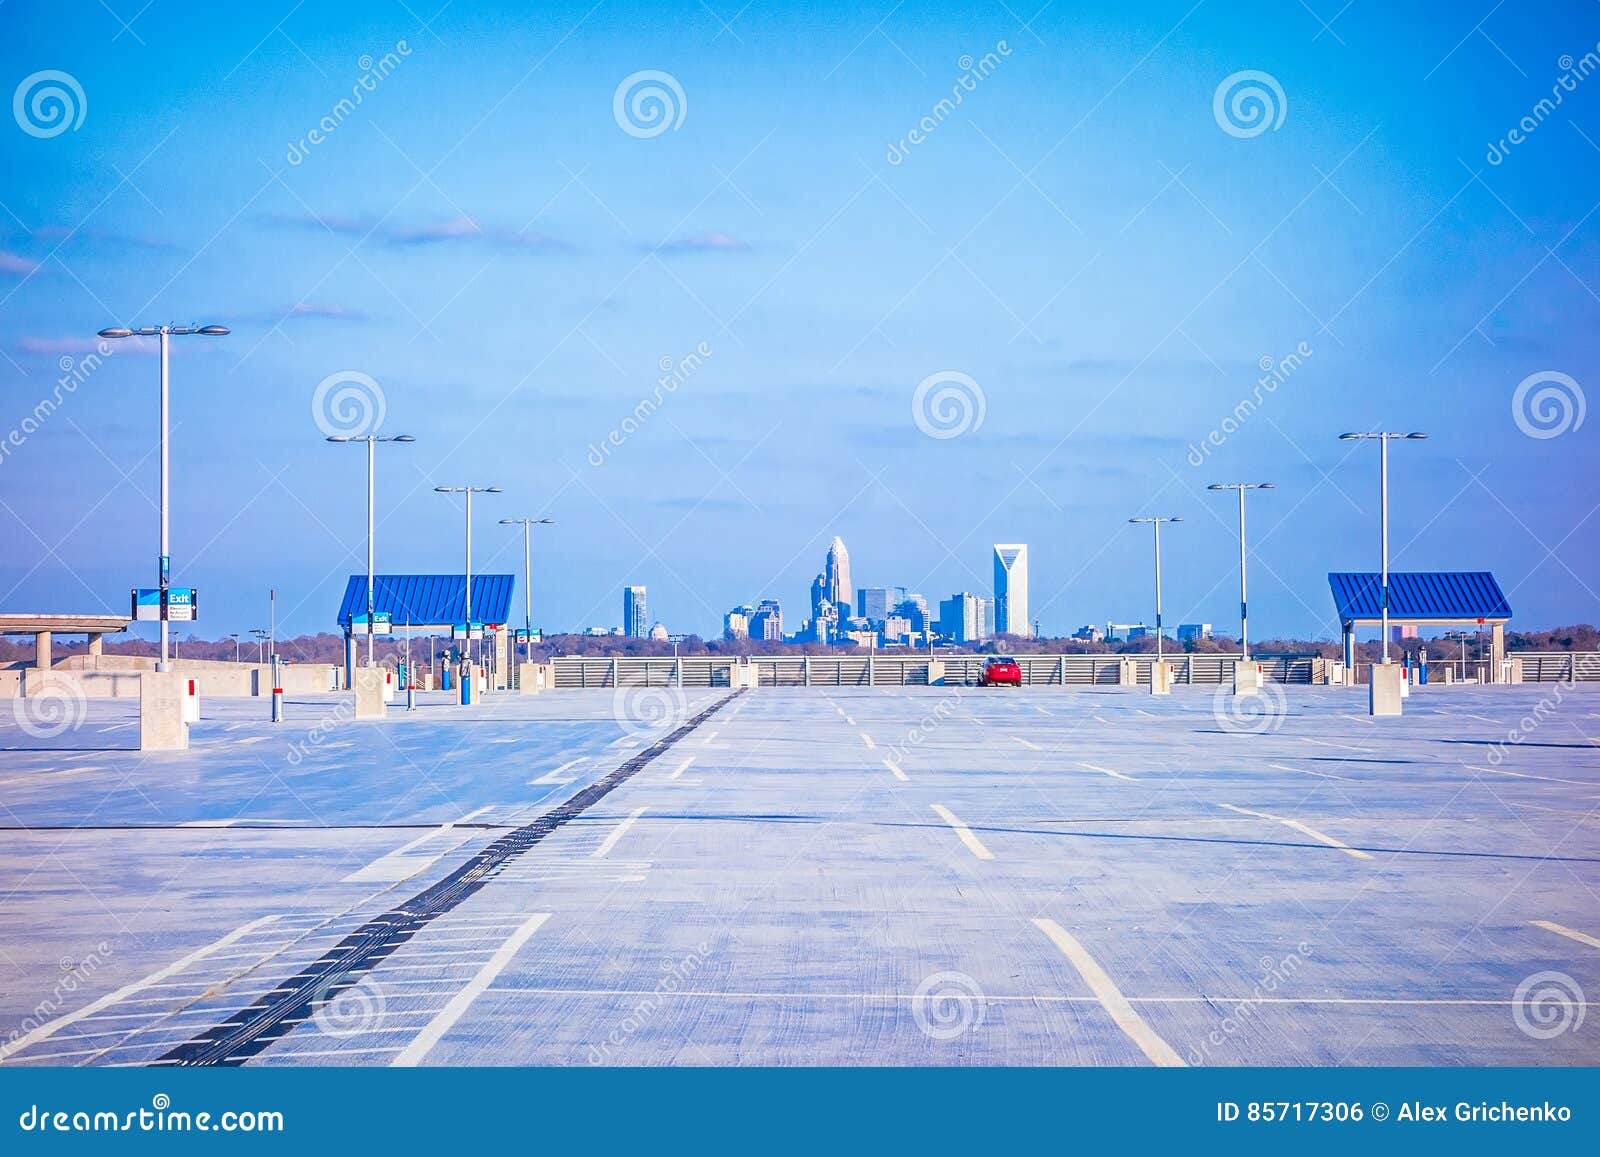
(635, 616)
(836, 576)
(1011, 589)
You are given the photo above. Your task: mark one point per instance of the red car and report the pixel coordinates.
(1000, 669)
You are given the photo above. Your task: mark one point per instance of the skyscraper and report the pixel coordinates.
(836, 575)
(767, 622)
(961, 617)
(635, 617)
(1011, 589)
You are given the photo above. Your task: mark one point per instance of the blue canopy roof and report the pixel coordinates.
(1457, 595)
(429, 600)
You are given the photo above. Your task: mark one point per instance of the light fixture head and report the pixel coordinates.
(116, 331)
(214, 330)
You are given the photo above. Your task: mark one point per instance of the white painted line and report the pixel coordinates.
(1142, 711)
(505, 741)
(1563, 930)
(50, 1028)
(1305, 771)
(555, 776)
(1340, 746)
(850, 720)
(895, 767)
(413, 1053)
(1524, 775)
(617, 833)
(1305, 829)
(1101, 719)
(1025, 743)
(247, 741)
(974, 845)
(867, 739)
(1041, 710)
(681, 768)
(1110, 997)
(229, 727)
(1106, 771)
(975, 719)
(710, 735)
(399, 864)
(209, 823)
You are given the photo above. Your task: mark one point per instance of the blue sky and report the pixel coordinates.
(1082, 237)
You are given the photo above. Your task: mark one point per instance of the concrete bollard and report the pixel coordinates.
(936, 672)
(1161, 676)
(162, 726)
(1247, 678)
(388, 684)
(1385, 689)
(1336, 674)
(530, 678)
(191, 702)
(369, 693)
(1127, 672)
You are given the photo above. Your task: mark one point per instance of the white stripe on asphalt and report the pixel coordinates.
(867, 739)
(1304, 771)
(681, 768)
(1106, 771)
(1110, 997)
(436, 1028)
(1025, 743)
(1524, 775)
(50, 1028)
(398, 865)
(974, 845)
(1563, 930)
(895, 767)
(617, 833)
(1306, 829)
(555, 776)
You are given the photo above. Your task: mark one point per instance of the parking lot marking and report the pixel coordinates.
(1106, 771)
(1304, 829)
(1341, 746)
(399, 864)
(1306, 771)
(413, 1053)
(710, 735)
(895, 767)
(681, 768)
(867, 739)
(1025, 743)
(1563, 930)
(555, 776)
(249, 739)
(1524, 775)
(50, 1028)
(617, 833)
(974, 844)
(1110, 996)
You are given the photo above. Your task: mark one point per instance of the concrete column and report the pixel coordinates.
(1497, 650)
(1350, 646)
(96, 644)
(1246, 678)
(41, 650)
(1161, 678)
(502, 660)
(530, 678)
(369, 693)
(1385, 688)
(161, 699)
(936, 672)
(1127, 672)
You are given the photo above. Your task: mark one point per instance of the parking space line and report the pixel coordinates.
(1563, 930)
(1340, 746)
(1106, 771)
(555, 775)
(1304, 829)
(617, 833)
(867, 739)
(1110, 997)
(1525, 775)
(974, 844)
(1027, 744)
(249, 739)
(1305, 771)
(895, 767)
(710, 735)
(398, 865)
(413, 1053)
(681, 768)
(50, 1028)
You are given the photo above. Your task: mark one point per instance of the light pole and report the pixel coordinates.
(235, 637)
(527, 525)
(164, 564)
(1461, 637)
(1155, 523)
(1244, 614)
(469, 491)
(1383, 438)
(372, 441)
(261, 642)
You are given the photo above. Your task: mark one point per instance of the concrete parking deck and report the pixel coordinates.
(920, 876)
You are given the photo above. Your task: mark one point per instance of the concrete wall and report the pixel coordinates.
(117, 676)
